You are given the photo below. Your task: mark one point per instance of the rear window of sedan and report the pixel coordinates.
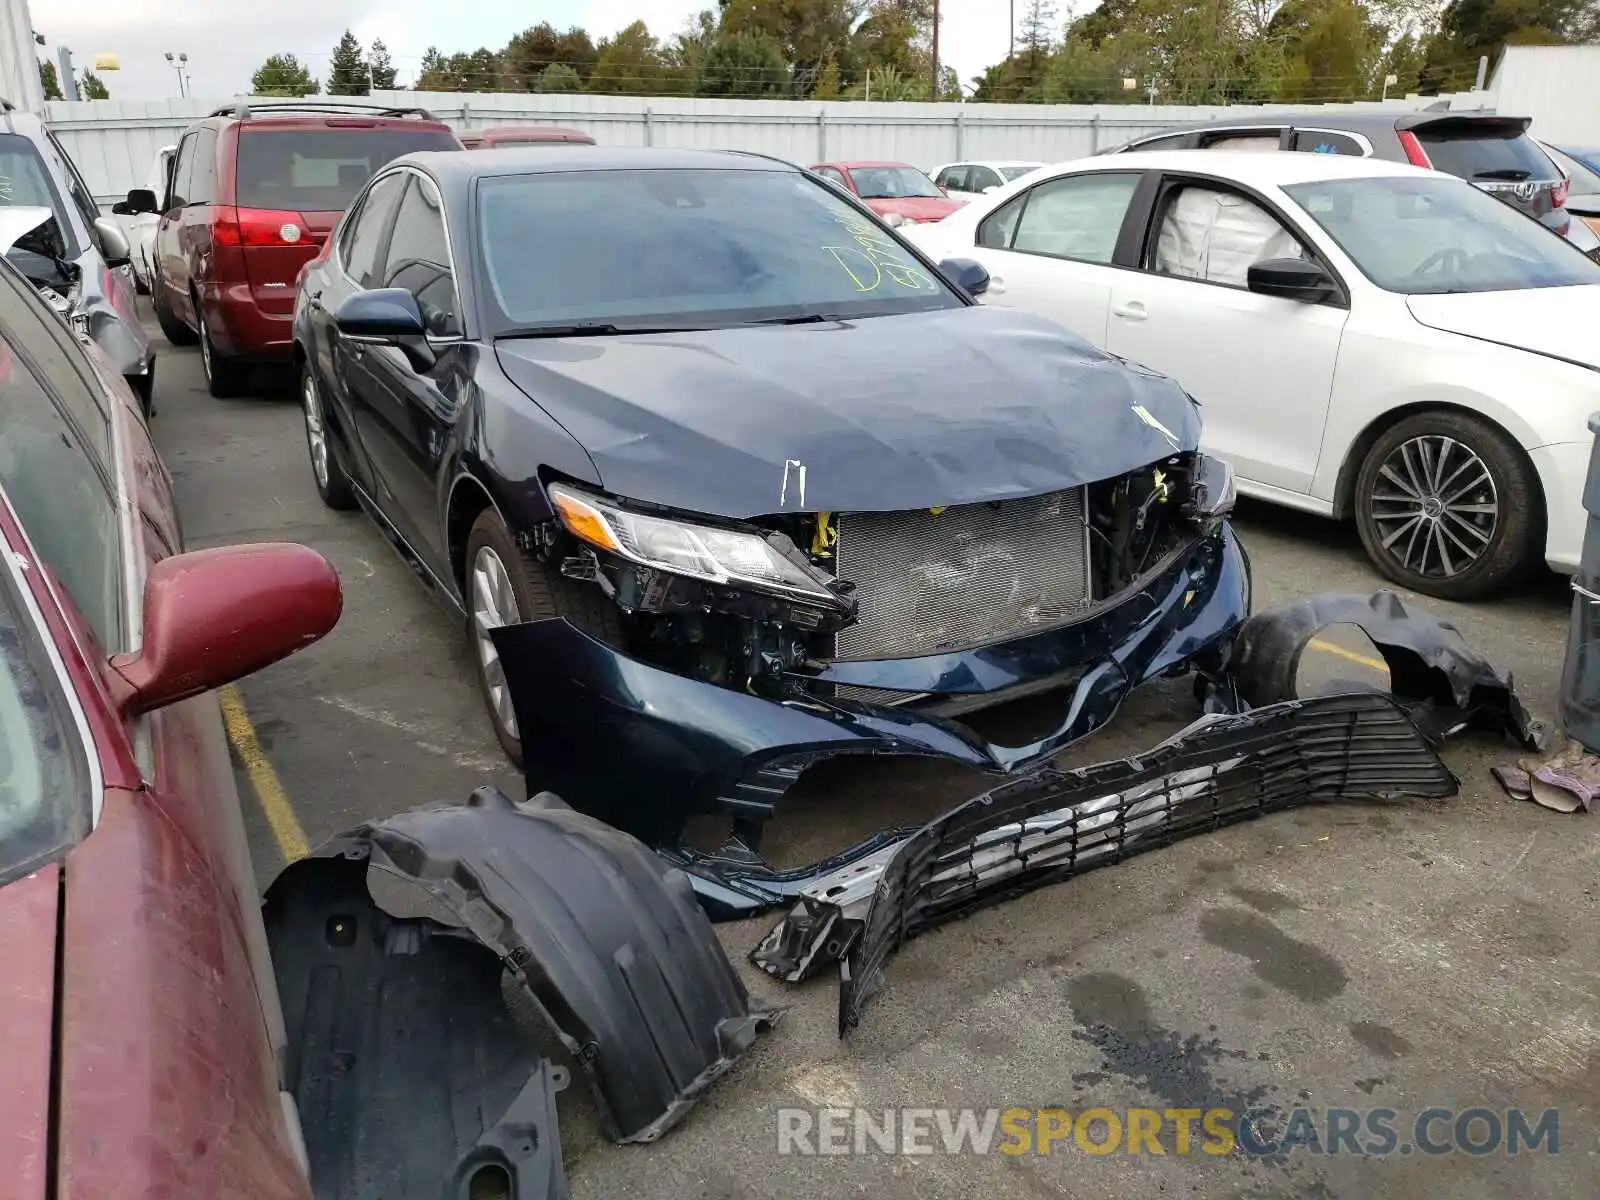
(711, 247)
(321, 170)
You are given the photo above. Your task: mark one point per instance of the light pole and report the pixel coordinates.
(933, 93)
(179, 63)
(1011, 46)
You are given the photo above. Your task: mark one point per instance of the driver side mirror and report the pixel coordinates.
(214, 616)
(968, 274)
(1291, 279)
(111, 242)
(140, 200)
(387, 317)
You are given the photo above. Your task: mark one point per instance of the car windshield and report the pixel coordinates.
(1422, 235)
(321, 169)
(891, 183)
(695, 248)
(42, 779)
(25, 183)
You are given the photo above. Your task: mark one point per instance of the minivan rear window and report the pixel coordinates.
(1480, 151)
(320, 170)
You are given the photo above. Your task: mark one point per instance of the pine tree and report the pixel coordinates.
(283, 75)
(48, 80)
(91, 88)
(383, 72)
(347, 73)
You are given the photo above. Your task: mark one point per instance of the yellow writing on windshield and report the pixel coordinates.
(873, 258)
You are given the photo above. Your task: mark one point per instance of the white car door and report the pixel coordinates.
(1260, 366)
(1048, 249)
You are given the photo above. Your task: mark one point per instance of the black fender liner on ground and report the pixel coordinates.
(606, 940)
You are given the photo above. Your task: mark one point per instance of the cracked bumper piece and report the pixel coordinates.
(593, 937)
(1446, 685)
(1052, 825)
(646, 749)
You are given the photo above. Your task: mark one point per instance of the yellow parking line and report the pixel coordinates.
(1366, 660)
(268, 787)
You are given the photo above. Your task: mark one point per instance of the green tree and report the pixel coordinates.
(827, 85)
(91, 88)
(383, 73)
(433, 75)
(809, 32)
(1331, 49)
(888, 84)
(744, 64)
(557, 77)
(629, 64)
(1469, 29)
(283, 75)
(1038, 42)
(533, 51)
(686, 53)
(347, 72)
(48, 80)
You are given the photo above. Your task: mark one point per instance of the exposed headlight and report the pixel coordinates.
(1214, 488)
(67, 306)
(725, 556)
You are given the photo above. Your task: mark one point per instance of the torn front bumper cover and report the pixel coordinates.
(1052, 825)
(646, 749)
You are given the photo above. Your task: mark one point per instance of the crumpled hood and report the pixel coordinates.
(884, 414)
(1560, 322)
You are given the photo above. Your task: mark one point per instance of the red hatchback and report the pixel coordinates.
(140, 1028)
(897, 192)
(251, 197)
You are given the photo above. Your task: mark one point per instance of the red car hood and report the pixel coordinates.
(915, 208)
(27, 1006)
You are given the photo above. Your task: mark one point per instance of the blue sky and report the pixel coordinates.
(227, 43)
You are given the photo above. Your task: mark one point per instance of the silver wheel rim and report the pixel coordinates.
(494, 603)
(205, 351)
(316, 435)
(1435, 506)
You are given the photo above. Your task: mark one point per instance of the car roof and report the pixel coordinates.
(461, 166)
(1261, 167)
(996, 162)
(851, 164)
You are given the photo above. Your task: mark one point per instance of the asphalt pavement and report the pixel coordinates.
(1357, 957)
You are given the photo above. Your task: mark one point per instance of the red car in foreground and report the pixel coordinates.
(140, 1029)
(897, 192)
(250, 198)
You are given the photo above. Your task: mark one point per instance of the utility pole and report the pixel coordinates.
(1011, 46)
(933, 94)
(68, 80)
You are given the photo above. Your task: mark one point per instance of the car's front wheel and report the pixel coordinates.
(1449, 506)
(333, 485)
(504, 586)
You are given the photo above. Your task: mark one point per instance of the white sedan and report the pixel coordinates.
(1365, 338)
(973, 178)
(141, 227)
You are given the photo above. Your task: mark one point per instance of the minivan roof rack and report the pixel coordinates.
(244, 109)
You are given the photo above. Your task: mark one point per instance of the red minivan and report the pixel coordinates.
(251, 195)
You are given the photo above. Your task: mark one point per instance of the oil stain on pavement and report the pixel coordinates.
(1286, 963)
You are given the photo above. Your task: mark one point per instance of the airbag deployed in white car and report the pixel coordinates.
(1217, 236)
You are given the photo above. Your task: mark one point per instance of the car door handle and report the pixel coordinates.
(1132, 310)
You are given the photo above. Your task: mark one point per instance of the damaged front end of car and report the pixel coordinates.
(752, 659)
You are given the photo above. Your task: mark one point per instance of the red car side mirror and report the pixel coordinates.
(214, 616)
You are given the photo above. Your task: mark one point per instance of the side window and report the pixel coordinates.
(983, 177)
(203, 178)
(831, 175)
(59, 491)
(419, 258)
(1077, 217)
(1242, 139)
(82, 198)
(363, 234)
(1214, 235)
(953, 177)
(178, 183)
(1320, 141)
(1172, 141)
(1000, 226)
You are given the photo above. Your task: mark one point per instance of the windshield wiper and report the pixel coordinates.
(802, 319)
(592, 329)
(1513, 174)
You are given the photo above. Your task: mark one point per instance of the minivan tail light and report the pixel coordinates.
(1415, 154)
(260, 227)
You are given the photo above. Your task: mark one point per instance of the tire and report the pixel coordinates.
(172, 326)
(540, 591)
(144, 387)
(327, 472)
(225, 375)
(1476, 524)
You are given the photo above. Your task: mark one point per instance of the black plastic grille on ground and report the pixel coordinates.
(1054, 824)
